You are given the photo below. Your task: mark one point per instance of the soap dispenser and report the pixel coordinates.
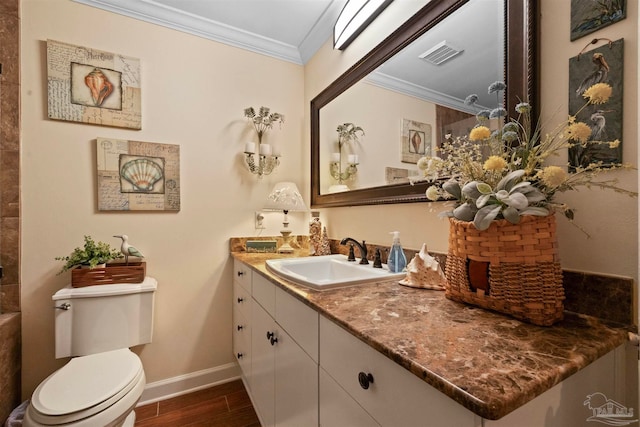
(397, 261)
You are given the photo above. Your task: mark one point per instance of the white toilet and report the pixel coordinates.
(102, 385)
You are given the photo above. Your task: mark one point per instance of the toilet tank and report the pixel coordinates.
(94, 319)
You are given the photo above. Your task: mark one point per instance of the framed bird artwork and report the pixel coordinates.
(600, 65)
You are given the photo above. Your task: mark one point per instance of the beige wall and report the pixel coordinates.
(193, 94)
(611, 219)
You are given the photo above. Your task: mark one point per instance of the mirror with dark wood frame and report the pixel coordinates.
(519, 75)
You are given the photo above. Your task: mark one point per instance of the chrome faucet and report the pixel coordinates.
(362, 247)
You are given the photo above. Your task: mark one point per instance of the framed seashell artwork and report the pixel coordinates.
(416, 140)
(136, 175)
(92, 86)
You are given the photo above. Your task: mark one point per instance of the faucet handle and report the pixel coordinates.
(352, 255)
(377, 260)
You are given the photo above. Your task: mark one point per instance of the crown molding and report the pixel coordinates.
(159, 14)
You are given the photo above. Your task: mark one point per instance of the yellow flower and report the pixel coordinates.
(579, 131)
(495, 163)
(614, 144)
(479, 133)
(552, 176)
(599, 93)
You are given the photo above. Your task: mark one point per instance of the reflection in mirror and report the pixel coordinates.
(406, 103)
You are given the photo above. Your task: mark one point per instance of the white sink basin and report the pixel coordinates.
(328, 271)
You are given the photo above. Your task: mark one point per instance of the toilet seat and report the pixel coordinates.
(88, 385)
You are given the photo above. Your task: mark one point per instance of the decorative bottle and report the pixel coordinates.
(315, 233)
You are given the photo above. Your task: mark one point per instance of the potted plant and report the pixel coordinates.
(92, 255)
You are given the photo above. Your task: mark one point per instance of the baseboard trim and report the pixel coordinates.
(188, 383)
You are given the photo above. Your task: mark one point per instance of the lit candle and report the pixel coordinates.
(355, 158)
(352, 158)
(265, 150)
(335, 157)
(250, 147)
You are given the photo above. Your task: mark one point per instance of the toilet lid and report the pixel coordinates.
(86, 381)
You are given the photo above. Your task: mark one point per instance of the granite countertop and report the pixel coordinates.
(489, 363)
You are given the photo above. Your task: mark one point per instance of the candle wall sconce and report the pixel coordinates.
(347, 133)
(351, 168)
(268, 156)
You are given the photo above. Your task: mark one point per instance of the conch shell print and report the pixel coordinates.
(99, 85)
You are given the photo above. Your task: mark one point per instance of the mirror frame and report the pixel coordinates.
(519, 75)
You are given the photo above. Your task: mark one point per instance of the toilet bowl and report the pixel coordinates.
(95, 390)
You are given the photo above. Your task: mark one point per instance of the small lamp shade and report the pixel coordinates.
(285, 197)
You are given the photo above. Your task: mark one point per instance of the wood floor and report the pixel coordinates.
(226, 405)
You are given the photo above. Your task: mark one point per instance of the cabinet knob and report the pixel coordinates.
(240, 273)
(240, 327)
(365, 380)
(239, 355)
(273, 340)
(270, 335)
(240, 300)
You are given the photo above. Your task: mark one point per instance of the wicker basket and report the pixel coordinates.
(510, 268)
(111, 274)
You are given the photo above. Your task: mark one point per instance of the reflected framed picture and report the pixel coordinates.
(416, 140)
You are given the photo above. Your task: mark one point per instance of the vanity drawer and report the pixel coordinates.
(241, 300)
(395, 396)
(242, 274)
(264, 292)
(300, 322)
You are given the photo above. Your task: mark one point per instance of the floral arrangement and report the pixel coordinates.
(348, 132)
(263, 120)
(504, 174)
(90, 255)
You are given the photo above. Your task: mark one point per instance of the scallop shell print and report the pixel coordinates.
(142, 173)
(99, 85)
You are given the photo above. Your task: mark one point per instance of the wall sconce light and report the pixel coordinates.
(338, 174)
(354, 18)
(285, 197)
(268, 158)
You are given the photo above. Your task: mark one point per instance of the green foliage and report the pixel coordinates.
(92, 254)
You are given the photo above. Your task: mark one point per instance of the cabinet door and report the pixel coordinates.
(391, 394)
(338, 409)
(263, 365)
(296, 384)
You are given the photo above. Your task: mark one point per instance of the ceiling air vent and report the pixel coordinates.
(440, 53)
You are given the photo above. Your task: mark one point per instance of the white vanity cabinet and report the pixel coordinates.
(302, 369)
(282, 375)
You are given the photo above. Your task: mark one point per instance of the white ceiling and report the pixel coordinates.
(292, 30)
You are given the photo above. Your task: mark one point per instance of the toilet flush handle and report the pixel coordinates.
(64, 306)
